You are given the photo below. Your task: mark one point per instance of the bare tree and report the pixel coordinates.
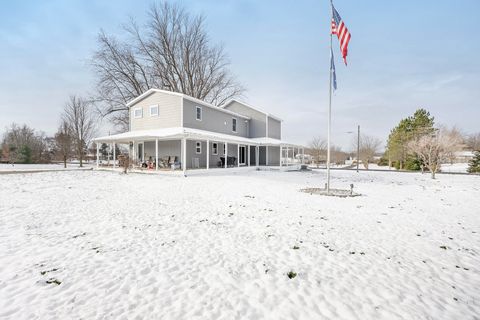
(318, 149)
(64, 142)
(79, 116)
(172, 52)
(473, 141)
(369, 147)
(435, 148)
(24, 144)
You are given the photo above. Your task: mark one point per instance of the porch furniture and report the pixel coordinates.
(231, 161)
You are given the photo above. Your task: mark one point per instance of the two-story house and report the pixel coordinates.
(189, 133)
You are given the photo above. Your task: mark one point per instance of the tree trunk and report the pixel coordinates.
(433, 174)
(80, 156)
(65, 162)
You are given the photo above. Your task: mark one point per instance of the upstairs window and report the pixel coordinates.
(214, 148)
(198, 147)
(198, 111)
(154, 111)
(138, 113)
(234, 125)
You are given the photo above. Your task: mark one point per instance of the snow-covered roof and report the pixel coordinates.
(203, 103)
(189, 133)
(251, 107)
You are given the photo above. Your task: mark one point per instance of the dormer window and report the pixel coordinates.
(234, 125)
(154, 111)
(137, 113)
(198, 111)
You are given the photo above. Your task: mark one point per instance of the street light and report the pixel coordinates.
(358, 144)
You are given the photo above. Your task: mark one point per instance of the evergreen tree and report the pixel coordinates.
(408, 129)
(25, 154)
(474, 165)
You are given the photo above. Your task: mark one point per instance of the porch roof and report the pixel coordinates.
(188, 133)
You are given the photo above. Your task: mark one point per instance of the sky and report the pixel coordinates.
(403, 55)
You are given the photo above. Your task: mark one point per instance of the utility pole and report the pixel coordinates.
(358, 146)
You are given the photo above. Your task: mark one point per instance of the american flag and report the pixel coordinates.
(340, 29)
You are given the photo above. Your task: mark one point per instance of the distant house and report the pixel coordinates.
(174, 130)
(464, 156)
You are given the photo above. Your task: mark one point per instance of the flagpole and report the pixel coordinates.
(329, 118)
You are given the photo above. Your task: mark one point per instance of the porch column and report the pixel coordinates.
(287, 157)
(226, 154)
(184, 156)
(143, 151)
(238, 154)
(248, 155)
(114, 155)
(156, 154)
(257, 155)
(134, 154)
(98, 151)
(208, 154)
(303, 155)
(266, 155)
(281, 155)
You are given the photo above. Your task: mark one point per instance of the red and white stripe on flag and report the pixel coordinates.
(343, 37)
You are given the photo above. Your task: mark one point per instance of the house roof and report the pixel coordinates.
(189, 133)
(251, 107)
(203, 103)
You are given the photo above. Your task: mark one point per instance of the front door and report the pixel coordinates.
(140, 153)
(242, 156)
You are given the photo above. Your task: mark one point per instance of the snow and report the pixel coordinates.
(220, 245)
(455, 167)
(19, 167)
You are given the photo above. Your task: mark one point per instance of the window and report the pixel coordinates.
(234, 125)
(198, 147)
(154, 111)
(215, 148)
(198, 113)
(138, 113)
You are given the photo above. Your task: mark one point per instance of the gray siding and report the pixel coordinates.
(169, 112)
(191, 154)
(273, 156)
(274, 129)
(165, 149)
(212, 120)
(257, 128)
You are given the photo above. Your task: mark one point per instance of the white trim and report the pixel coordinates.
(198, 144)
(190, 133)
(244, 155)
(196, 113)
(236, 125)
(181, 114)
(225, 145)
(184, 156)
(203, 103)
(134, 112)
(208, 154)
(250, 107)
(266, 126)
(158, 110)
(215, 151)
(156, 154)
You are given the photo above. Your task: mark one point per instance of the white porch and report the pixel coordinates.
(182, 149)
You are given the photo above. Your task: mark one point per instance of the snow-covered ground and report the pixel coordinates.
(102, 245)
(455, 167)
(6, 167)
